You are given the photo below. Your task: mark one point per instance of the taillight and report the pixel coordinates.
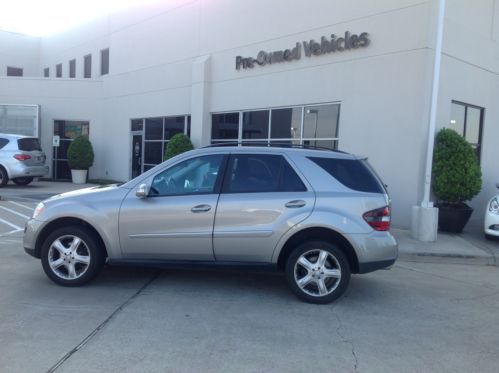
(378, 219)
(22, 157)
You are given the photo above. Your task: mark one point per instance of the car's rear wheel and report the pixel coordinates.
(72, 256)
(317, 272)
(4, 178)
(22, 180)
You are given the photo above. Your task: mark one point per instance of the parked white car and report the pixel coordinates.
(492, 218)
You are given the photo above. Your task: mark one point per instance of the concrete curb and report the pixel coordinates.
(422, 257)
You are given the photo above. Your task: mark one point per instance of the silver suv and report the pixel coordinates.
(21, 159)
(317, 215)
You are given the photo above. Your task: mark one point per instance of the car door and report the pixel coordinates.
(262, 197)
(175, 220)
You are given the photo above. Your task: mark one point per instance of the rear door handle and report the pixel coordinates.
(295, 204)
(201, 208)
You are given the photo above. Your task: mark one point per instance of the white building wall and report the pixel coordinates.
(17, 50)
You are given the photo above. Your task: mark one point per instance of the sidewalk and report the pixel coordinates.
(470, 247)
(465, 248)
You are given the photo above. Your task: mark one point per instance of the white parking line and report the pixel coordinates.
(21, 205)
(10, 224)
(11, 232)
(15, 212)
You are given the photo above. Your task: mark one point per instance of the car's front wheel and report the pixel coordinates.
(22, 180)
(72, 256)
(317, 272)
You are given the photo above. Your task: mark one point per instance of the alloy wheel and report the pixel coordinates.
(69, 257)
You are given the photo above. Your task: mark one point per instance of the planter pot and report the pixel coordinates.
(79, 176)
(453, 217)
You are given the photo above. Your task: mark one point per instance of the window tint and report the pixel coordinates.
(46, 72)
(72, 68)
(87, 66)
(29, 144)
(352, 173)
(14, 71)
(290, 181)
(104, 61)
(225, 126)
(3, 142)
(254, 173)
(58, 70)
(193, 176)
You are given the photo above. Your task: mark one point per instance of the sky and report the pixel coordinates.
(45, 17)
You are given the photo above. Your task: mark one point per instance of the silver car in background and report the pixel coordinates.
(316, 215)
(21, 159)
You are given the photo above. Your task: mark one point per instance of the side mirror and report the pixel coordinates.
(142, 191)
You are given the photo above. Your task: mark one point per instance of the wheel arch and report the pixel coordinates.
(65, 222)
(321, 234)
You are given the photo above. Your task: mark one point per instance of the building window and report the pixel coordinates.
(14, 71)
(156, 134)
(87, 66)
(104, 61)
(46, 72)
(467, 120)
(72, 68)
(315, 125)
(58, 70)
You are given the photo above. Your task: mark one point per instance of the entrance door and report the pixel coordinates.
(136, 155)
(67, 132)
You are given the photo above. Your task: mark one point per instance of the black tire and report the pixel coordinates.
(89, 245)
(22, 180)
(4, 178)
(335, 263)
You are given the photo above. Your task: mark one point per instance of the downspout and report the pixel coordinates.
(433, 108)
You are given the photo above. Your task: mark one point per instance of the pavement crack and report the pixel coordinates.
(475, 297)
(101, 326)
(347, 341)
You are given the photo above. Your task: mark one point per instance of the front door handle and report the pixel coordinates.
(201, 208)
(295, 204)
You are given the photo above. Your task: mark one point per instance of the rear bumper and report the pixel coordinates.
(21, 170)
(375, 250)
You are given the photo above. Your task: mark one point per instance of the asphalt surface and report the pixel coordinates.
(415, 317)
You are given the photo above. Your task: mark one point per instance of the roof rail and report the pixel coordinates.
(270, 145)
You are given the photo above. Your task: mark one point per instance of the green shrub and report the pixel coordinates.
(80, 153)
(178, 144)
(456, 172)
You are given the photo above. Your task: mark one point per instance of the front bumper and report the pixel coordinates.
(375, 250)
(31, 230)
(491, 224)
(21, 170)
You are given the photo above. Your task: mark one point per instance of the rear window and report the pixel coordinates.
(352, 173)
(29, 144)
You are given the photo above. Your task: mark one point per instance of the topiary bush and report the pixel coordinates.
(178, 144)
(456, 172)
(80, 153)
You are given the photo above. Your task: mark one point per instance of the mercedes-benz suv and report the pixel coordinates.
(21, 159)
(316, 215)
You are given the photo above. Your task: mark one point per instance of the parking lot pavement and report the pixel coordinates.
(415, 317)
(13, 215)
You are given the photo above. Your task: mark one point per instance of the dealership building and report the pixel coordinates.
(351, 75)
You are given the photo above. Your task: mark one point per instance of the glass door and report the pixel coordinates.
(67, 132)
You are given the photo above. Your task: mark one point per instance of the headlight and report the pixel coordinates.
(494, 206)
(38, 210)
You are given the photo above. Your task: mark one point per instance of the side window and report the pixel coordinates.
(290, 181)
(193, 176)
(260, 173)
(3, 142)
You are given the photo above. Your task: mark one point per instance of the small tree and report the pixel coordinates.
(456, 172)
(80, 153)
(178, 144)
